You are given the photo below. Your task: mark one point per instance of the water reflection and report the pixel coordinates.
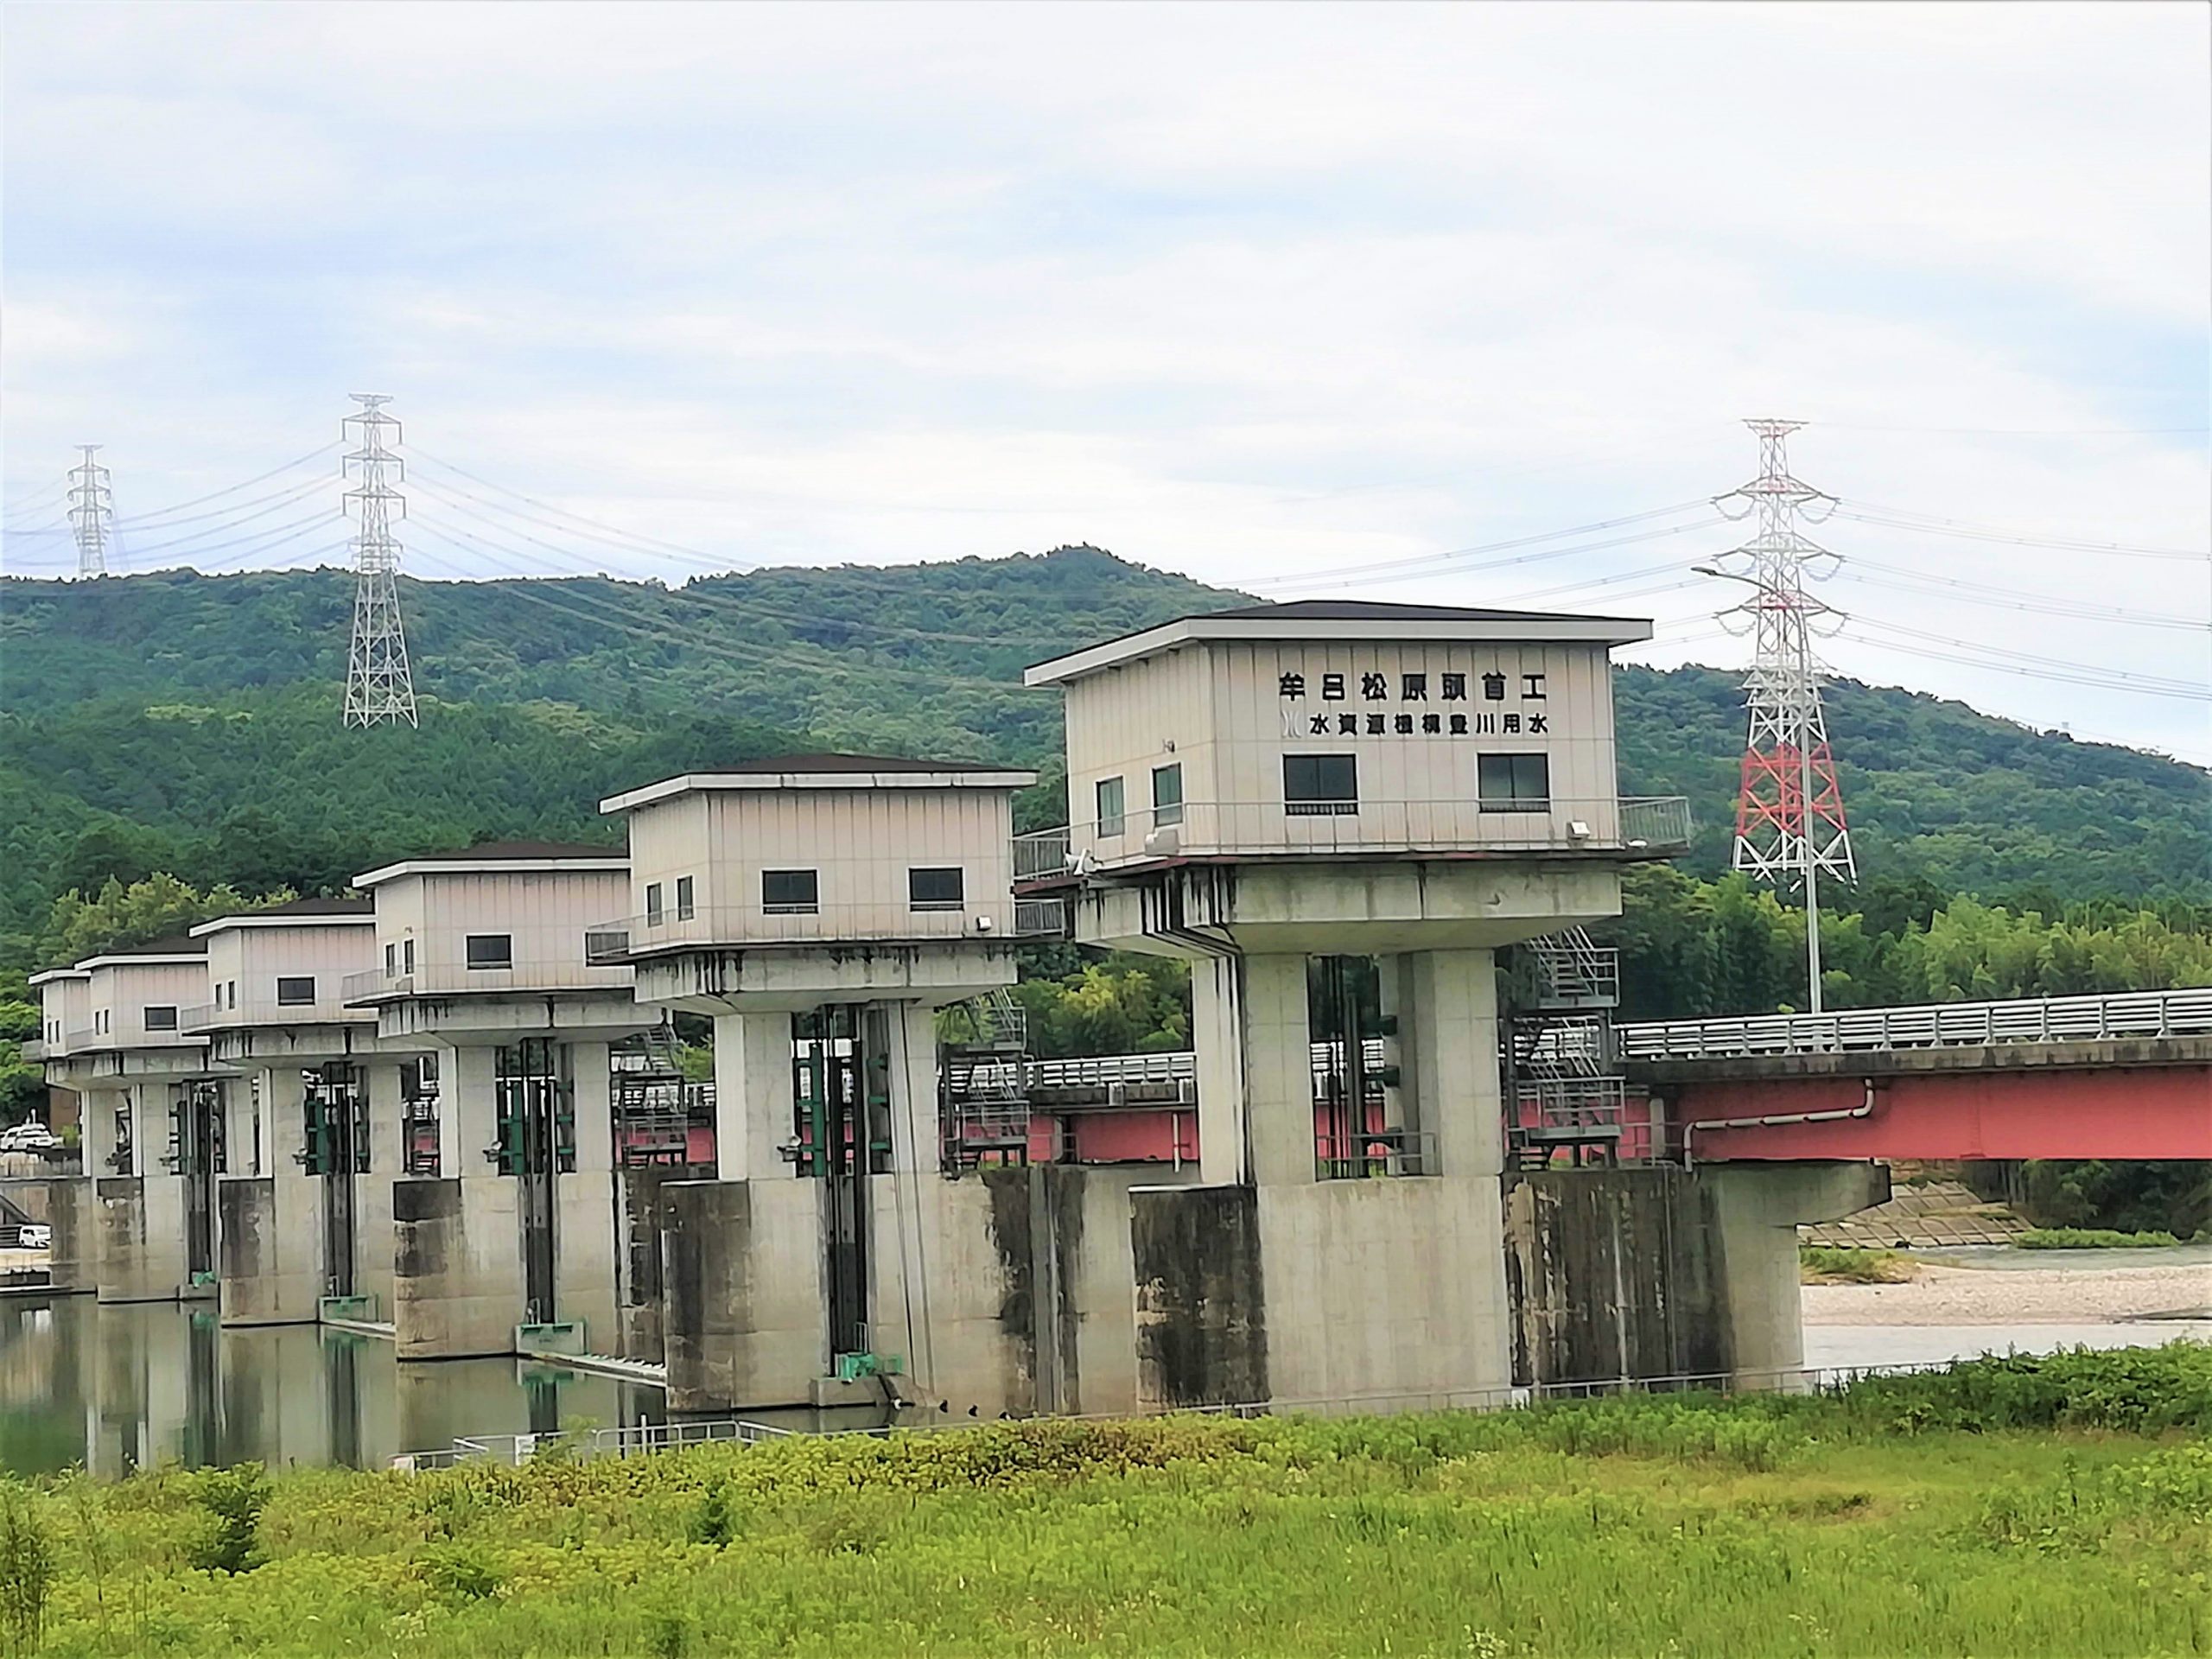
(124, 1387)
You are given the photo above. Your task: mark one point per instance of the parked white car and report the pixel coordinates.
(35, 1236)
(28, 1137)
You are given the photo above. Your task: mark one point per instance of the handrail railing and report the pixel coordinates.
(1632, 825)
(1935, 1025)
(624, 939)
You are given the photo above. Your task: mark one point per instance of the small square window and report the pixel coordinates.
(684, 910)
(936, 889)
(1514, 782)
(1321, 786)
(790, 893)
(161, 1016)
(491, 950)
(1167, 795)
(1113, 810)
(294, 993)
(654, 913)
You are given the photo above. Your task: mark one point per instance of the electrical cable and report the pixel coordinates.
(1964, 594)
(2023, 662)
(1486, 548)
(295, 492)
(1867, 512)
(716, 561)
(299, 461)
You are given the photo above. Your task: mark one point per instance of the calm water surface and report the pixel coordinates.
(127, 1387)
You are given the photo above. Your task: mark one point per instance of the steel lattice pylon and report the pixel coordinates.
(1789, 815)
(379, 685)
(92, 512)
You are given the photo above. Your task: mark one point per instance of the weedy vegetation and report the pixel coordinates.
(2017, 1505)
(1826, 1264)
(2092, 1238)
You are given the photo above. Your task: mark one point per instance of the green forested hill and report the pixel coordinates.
(189, 723)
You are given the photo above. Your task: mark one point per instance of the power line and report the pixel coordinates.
(294, 492)
(2036, 667)
(1899, 518)
(178, 506)
(1455, 554)
(714, 561)
(1967, 592)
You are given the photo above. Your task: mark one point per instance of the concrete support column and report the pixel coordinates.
(1217, 1037)
(753, 1097)
(916, 1136)
(241, 1149)
(96, 1129)
(584, 1227)
(594, 1103)
(1278, 1071)
(468, 1109)
(374, 1242)
(282, 1090)
(1451, 1054)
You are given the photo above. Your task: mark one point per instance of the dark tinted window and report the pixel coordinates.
(489, 951)
(935, 889)
(787, 893)
(1111, 806)
(1320, 784)
(292, 993)
(683, 910)
(161, 1016)
(1514, 782)
(1167, 794)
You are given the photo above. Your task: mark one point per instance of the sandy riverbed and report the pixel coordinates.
(1950, 1295)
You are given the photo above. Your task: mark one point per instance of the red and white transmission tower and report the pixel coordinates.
(1789, 818)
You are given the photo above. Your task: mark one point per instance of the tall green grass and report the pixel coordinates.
(2091, 1238)
(2060, 1505)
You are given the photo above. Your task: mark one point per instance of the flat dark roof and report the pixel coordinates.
(772, 763)
(318, 907)
(1375, 610)
(491, 852)
(177, 944)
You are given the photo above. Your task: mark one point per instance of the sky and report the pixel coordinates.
(1295, 299)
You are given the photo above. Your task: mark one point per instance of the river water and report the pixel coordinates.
(124, 1387)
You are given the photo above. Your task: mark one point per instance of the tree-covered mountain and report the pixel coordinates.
(187, 724)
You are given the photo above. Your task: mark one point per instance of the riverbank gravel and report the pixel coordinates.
(1948, 1295)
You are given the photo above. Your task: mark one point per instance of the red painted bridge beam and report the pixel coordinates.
(2145, 1112)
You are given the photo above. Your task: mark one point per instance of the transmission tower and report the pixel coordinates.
(380, 685)
(92, 512)
(1789, 818)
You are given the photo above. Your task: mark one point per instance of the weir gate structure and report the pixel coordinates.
(1409, 1158)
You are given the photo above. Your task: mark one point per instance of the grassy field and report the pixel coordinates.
(2007, 1507)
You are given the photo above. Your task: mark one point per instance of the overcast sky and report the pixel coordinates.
(1275, 296)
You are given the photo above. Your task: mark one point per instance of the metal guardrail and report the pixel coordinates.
(1936, 1025)
(1632, 825)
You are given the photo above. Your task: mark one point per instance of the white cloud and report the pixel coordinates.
(1240, 290)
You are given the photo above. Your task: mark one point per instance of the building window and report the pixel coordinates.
(941, 889)
(407, 958)
(654, 913)
(790, 893)
(684, 910)
(1112, 811)
(391, 961)
(296, 993)
(161, 1016)
(1166, 795)
(1514, 782)
(491, 950)
(1321, 786)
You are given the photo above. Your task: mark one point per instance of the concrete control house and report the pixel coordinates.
(820, 907)
(1338, 813)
